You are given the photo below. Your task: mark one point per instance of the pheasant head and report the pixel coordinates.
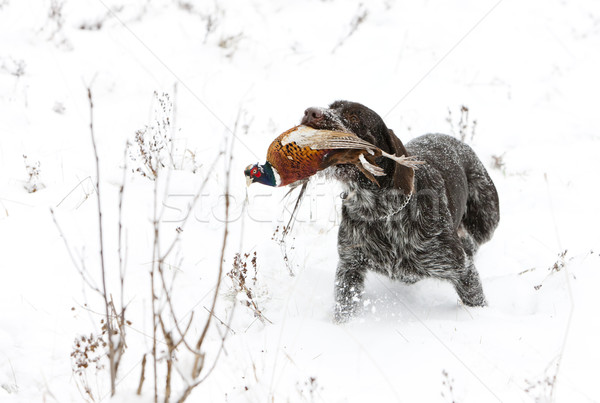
(265, 174)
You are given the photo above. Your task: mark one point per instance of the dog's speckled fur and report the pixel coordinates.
(453, 209)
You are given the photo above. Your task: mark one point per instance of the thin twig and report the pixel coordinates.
(191, 387)
(167, 293)
(170, 349)
(155, 256)
(122, 266)
(220, 321)
(111, 347)
(72, 190)
(142, 376)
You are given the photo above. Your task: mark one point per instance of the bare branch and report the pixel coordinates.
(167, 293)
(72, 190)
(111, 347)
(142, 376)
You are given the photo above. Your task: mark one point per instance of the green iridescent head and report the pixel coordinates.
(264, 174)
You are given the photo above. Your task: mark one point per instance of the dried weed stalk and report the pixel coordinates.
(33, 183)
(87, 355)
(154, 146)
(280, 237)
(114, 321)
(464, 129)
(448, 387)
(309, 390)
(357, 20)
(560, 264)
(244, 285)
(151, 148)
(14, 67)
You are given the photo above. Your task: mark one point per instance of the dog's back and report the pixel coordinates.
(472, 196)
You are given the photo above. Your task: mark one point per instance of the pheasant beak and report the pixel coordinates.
(248, 176)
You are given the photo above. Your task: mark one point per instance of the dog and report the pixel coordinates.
(427, 222)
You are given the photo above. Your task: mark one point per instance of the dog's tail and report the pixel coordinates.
(483, 206)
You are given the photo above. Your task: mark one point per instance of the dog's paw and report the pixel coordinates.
(343, 313)
(474, 300)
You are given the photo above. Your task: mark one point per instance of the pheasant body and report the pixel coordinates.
(302, 151)
(292, 161)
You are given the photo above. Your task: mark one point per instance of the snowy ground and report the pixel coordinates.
(528, 72)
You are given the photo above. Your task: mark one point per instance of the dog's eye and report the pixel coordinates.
(353, 118)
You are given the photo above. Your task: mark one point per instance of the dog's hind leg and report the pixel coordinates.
(461, 272)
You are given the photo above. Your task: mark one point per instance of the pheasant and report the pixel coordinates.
(303, 151)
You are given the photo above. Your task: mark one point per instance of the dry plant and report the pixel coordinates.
(55, 23)
(245, 286)
(153, 146)
(114, 321)
(463, 129)
(59, 108)
(210, 18)
(230, 43)
(183, 355)
(558, 265)
(14, 67)
(151, 149)
(309, 390)
(96, 23)
(87, 355)
(176, 337)
(447, 387)
(55, 16)
(280, 237)
(499, 163)
(33, 183)
(11, 387)
(542, 390)
(357, 20)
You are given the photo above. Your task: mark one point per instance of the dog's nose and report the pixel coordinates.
(312, 115)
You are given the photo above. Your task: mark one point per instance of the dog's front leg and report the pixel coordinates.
(349, 287)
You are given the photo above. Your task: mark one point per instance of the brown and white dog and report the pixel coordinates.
(419, 223)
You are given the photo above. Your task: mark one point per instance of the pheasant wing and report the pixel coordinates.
(316, 139)
(305, 136)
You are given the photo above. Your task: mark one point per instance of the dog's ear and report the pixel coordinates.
(402, 177)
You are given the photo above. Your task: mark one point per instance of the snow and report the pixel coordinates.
(526, 71)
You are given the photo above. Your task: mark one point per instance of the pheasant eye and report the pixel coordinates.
(253, 172)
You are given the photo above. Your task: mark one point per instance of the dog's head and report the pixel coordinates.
(357, 119)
